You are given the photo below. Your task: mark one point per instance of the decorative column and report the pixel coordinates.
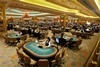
(65, 20)
(3, 15)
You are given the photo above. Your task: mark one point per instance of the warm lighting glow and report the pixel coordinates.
(11, 17)
(44, 3)
(25, 15)
(75, 20)
(66, 20)
(47, 4)
(97, 3)
(61, 20)
(88, 23)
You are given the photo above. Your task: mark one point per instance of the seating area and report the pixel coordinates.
(57, 60)
(26, 60)
(32, 50)
(49, 33)
(13, 38)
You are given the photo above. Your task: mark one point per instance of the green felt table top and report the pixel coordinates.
(67, 37)
(14, 36)
(32, 46)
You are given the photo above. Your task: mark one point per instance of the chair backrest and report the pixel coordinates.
(20, 44)
(4, 36)
(79, 42)
(43, 63)
(27, 59)
(57, 57)
(24, 37)
(7, 39)
(63, 53)
(13, 40)
(28, 40)
(19, 53)
(17, 49)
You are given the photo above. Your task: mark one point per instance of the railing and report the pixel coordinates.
(94, 58)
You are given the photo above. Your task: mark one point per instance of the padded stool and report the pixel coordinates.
(43, 63)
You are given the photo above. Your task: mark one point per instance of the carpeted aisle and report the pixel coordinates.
(75, 58)
(8, 56)
(78, 58)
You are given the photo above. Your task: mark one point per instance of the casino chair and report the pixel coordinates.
(4, 36)
(23, 37)
(79, 42)
(62, 55)
(43, 63)
(56, 59)
(7, 40)
(28, 61)
(20, 44)
(11, 40)
(76, 45)
(20, 56)
(29, 40)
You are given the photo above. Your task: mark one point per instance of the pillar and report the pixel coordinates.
(4, 24)
(65, 22)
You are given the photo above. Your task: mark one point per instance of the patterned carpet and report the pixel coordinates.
(8, 56)
(75, 58)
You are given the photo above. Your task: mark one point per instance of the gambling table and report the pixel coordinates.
(39, 52)
(72, 39)
(14, 35)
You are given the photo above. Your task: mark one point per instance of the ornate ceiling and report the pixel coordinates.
(76, 8)
(91, 5)
(73, 4)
